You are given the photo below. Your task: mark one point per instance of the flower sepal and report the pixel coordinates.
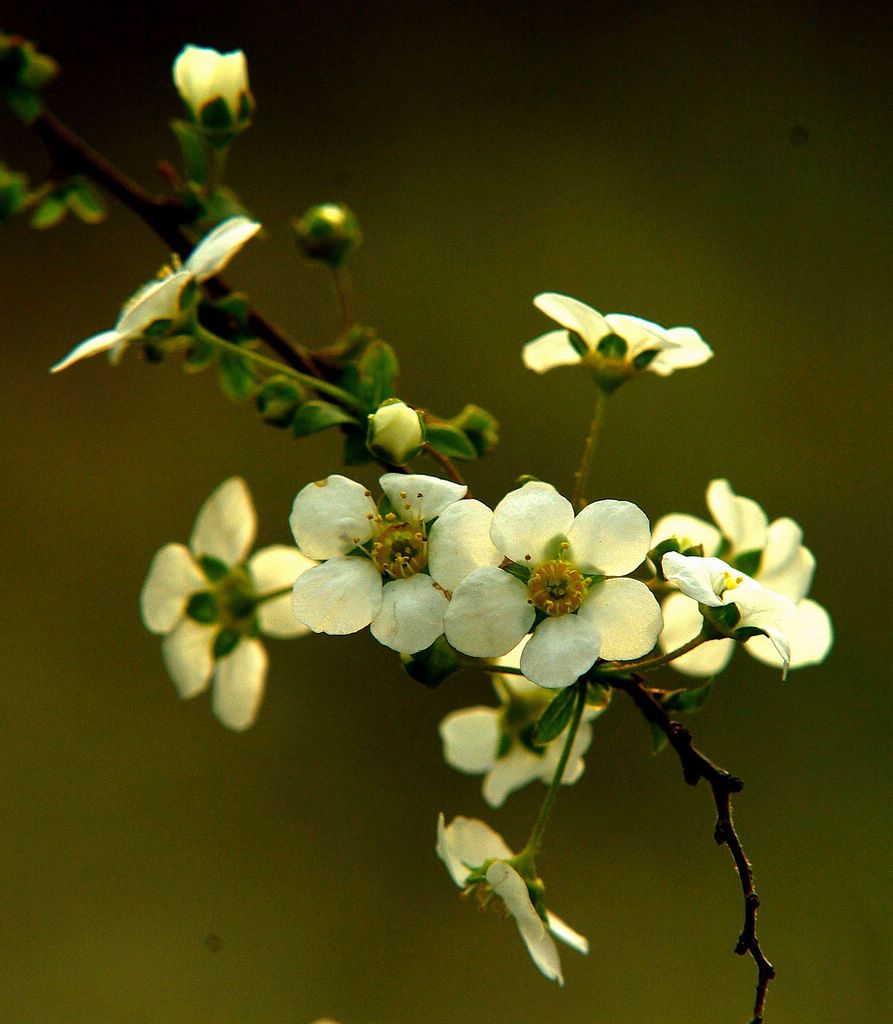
(434, 664)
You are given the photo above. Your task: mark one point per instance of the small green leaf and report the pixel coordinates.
(24, 103)
(658, 739)
(317, 415)
(553, 720)
(85, 204)
(225, 642)
(235, 305)
(480, 427)
(201, 353)
(598, 697)
(50, 213)
(372, 377)
(278, 399)
(355, 451)
(434, 664)
(202, 607)
(449, 441)
(235, 375)
(686, 702)
(192, 149)
(747, 562)
(520, 572)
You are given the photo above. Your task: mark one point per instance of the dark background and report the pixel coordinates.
(725, 166)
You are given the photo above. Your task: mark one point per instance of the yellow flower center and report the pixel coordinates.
(400, 550)
(557, 587)
(730, 582)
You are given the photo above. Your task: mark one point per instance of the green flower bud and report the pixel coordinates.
(214, 88)
(395, 433)
(13, 190)
(329, 233)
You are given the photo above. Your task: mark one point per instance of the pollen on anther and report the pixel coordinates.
(368, 494)
(527, 558)
(390, 517)
(403, 494)
(370, 516)
(407, 507)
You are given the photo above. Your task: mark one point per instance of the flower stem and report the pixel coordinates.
(655, 661)
(345, 297)
(581, 477)
(527, 857)
(273, 594)
(323, 387)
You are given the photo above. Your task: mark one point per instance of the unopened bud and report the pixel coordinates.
(214, 87)
(395, 432)
(328, 232)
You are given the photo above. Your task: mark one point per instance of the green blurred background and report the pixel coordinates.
(725, 166)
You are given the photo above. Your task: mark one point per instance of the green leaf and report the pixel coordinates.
(24, 103)
(225, 642)
(201, 353)
(50, 213)
(686, 702)
(449, 441)
(278, 399)
(355, 451)
(480, 427)
(192, 149)
(372, 377)
(317, 415)
(556, 716)
(235, 305)
(748, 562)
(202, 607)
(235, 375)
(434, 664)
(598, 697)
(85, 204)
(658, 739)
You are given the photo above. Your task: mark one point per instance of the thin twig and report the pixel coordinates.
(696, 766)
(448, 466)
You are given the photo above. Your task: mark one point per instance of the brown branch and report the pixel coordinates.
(447, 465)
(165, 216)
(695, 766)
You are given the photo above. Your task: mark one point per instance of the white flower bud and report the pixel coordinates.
(395, 432)
(214, 87)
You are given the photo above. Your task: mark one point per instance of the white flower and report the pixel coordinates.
(395, 432)
(567, 562)
(715, 584)
(773, 553)
(209, 603)
(388, 570)
(496, 742)
(205, 77)
(479, 858)
(159, 302)
(618, 344)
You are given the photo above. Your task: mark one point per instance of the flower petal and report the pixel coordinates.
(489, 613)
(331, 517)
(810, 635)
(338, 597)
(742, 521)
(512, 889)
(157, 300)
(173, 576)
(465, 844)
(187, 656)
(567, 934)
(640, 335)
(419, 499)
(98, 343)
(548, 351)
(683, 622)
(509, 773)
(627, 616)
(689, 530)
(610, 537)
(787, 567)
(697, 578)
(273, 568)
(460, 543)
(560, 651)
(689, 350)
(470, 739)
(576, 316)
(527, 519)
(239, 680)
(219, 246)
(411, 614)
(226, 524)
